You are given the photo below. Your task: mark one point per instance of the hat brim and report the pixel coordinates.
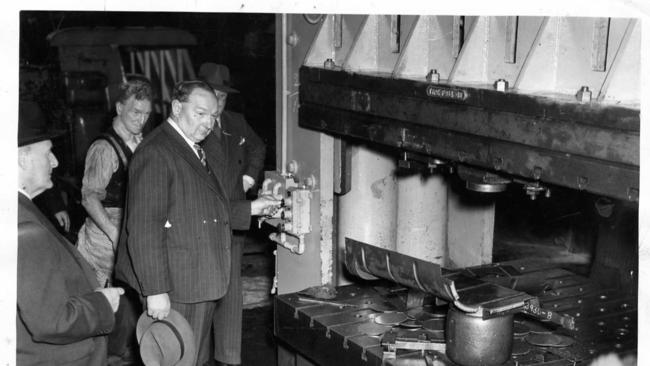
(223, 88)
(182, 327)
(49, 135)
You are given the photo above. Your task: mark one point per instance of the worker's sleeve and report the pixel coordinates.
(47, 304)
(101, 163)
(148, 196)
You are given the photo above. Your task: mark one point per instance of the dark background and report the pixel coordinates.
(243, 42)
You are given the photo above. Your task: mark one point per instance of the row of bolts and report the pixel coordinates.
(583, 95)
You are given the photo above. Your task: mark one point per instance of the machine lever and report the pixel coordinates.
(533, 308)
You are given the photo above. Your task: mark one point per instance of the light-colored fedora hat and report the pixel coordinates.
(167, 342)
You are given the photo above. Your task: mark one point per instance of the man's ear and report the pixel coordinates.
(176, 108)
(23, 157)
(118, 108)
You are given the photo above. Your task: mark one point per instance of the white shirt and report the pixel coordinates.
(180, 132)
(24, 193)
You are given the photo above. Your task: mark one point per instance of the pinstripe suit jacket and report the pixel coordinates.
(177, 231)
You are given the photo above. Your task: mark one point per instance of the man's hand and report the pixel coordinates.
(247, 182)
(64, 219)
(158, 306)
(112, 295)
(265, 205)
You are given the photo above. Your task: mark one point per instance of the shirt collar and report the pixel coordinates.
(22, 191)
(180, 132)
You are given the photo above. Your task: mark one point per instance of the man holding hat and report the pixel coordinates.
(63, 315)
(243, 153)
(179, 218)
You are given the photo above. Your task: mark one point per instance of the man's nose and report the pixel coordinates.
(53, 161)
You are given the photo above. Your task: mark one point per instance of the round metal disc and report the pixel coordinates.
(372, 329)
(485, 187)
(549, 340)
(411, 323)
(390, 318)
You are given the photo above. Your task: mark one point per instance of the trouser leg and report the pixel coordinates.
(228, 314)
(199, 316)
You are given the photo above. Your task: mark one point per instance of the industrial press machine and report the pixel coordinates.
(411, 147)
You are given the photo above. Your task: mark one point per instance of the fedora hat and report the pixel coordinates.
(218, 76)
(32, 124)
(166, 342)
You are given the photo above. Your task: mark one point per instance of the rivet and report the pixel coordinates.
(603, 297)
(579, 301)
(601, 323)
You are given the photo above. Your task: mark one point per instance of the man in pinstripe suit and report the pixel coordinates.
(175, 250)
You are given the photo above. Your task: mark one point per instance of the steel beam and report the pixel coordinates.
(581, 146)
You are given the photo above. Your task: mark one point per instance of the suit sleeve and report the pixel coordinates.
(148, 197)
(240, 215)
(255, 151)
(48, 310)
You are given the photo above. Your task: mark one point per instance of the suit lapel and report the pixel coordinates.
(37, 215)
(182, 149)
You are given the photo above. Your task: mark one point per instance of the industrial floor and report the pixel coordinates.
(258, 344)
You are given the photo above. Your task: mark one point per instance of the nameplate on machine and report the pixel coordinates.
(437, 91)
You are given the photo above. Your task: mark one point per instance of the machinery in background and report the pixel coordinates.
(411, 126)
(94, 61)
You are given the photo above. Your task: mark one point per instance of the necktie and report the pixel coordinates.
(201, 153)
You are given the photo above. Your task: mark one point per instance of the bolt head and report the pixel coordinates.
(501, 85)
(583, 95)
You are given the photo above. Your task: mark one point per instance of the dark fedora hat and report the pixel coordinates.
(32, 124)
(217, 75)
(166, 342)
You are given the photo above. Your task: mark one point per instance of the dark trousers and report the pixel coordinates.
(199, 316)
(228, 314)
(123, 339)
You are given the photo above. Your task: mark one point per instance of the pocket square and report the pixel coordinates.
(242, 140)
(167, 224)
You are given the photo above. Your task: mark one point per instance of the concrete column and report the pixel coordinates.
(422, 217)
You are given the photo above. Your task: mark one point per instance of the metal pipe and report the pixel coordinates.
(284, 93)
